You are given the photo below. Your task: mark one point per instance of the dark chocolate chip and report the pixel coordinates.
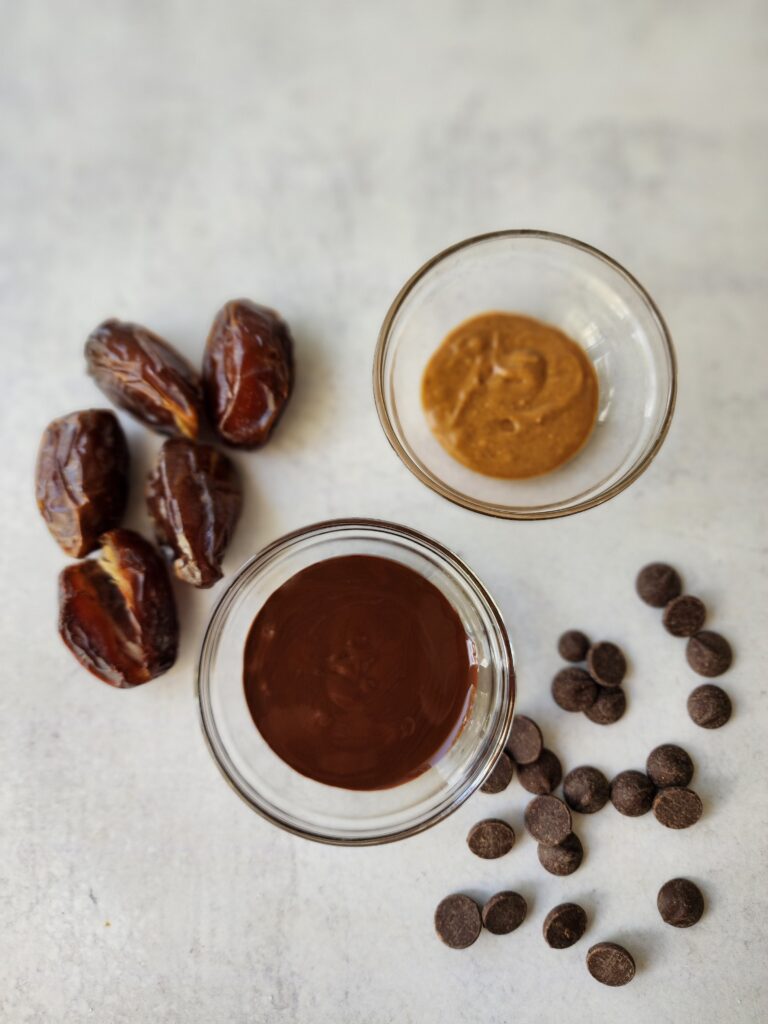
(586, 789)
(680, 903)
(610, 964)
(548, 820)
(574, 689)
(669, 765)
(500, 776)
(564, 858)
(657, 584)
(709, 706)
(684, 615)
(504, 912)
(491, 838)
(632, 793)
(564, 925)
(608, 708)
(606, 663)
(543, 775)
(573, 645)
(708, 653)
(677, 807)
(457, 921)
(525, 743)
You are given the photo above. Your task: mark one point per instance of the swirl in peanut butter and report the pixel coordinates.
(510, 396)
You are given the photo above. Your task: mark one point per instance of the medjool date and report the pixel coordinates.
(194, 496)
(81, 479)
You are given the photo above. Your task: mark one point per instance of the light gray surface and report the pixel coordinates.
(159, 158)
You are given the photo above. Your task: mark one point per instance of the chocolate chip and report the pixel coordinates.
(676, 807)
(709, 706)
(657, 584)
(564, 858)
(504, 912)
(606, 663)
(457, 921)
(548, 820)
(500, 776)
(669, 765)
(632, 793)
(608, 708)
(586, 789)
(564, 925)
(543, 775)
(525, 743)
(680, 903)
(684, 615)
(610, 964)
(491, 838)
(708, 653)
(573, 645)
(574, 689)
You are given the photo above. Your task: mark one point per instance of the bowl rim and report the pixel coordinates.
(262, 558)
(489, 508)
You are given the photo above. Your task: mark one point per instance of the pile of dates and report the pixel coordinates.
(117, 612)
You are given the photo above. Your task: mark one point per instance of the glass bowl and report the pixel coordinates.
(327, 813)
(564, 282)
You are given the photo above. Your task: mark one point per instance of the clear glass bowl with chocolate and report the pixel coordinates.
(486, 367)
(355, 682)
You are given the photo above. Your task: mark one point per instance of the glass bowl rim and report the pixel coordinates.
(217, 618)
(489, 508)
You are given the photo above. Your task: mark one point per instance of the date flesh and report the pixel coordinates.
(194, 496)
(81, 479)
(247, 372)
(144, 375)
(117, 613)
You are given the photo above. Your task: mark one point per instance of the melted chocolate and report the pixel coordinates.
(358, 672)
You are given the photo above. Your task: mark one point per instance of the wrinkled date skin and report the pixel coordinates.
(81, 480)
(194, 496)
(117, 613)
(144, 375)
(247, 372)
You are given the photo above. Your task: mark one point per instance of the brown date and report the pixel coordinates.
(247, 372)
(194, 496)
(143, 374)
(117, 613)
(81, 479)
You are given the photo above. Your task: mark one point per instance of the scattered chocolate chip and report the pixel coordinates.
(491, 838)
(573, 689)
(677, 807)
(564, 925)
(525, 743)
(606, 663)
(632, 793)
(669, 765)
(586, 789)
(548, 820)
(709, 706)
(608, 708)
(573, 645)
(610, 964)
(500, 776)
(564, 858)
(684, 615)
(657, 584)
(457, 921)
(708, 653)
(543, 775)
(680, 903)
(504, 912)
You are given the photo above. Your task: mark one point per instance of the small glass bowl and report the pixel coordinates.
(564, 282)
(327, 813)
